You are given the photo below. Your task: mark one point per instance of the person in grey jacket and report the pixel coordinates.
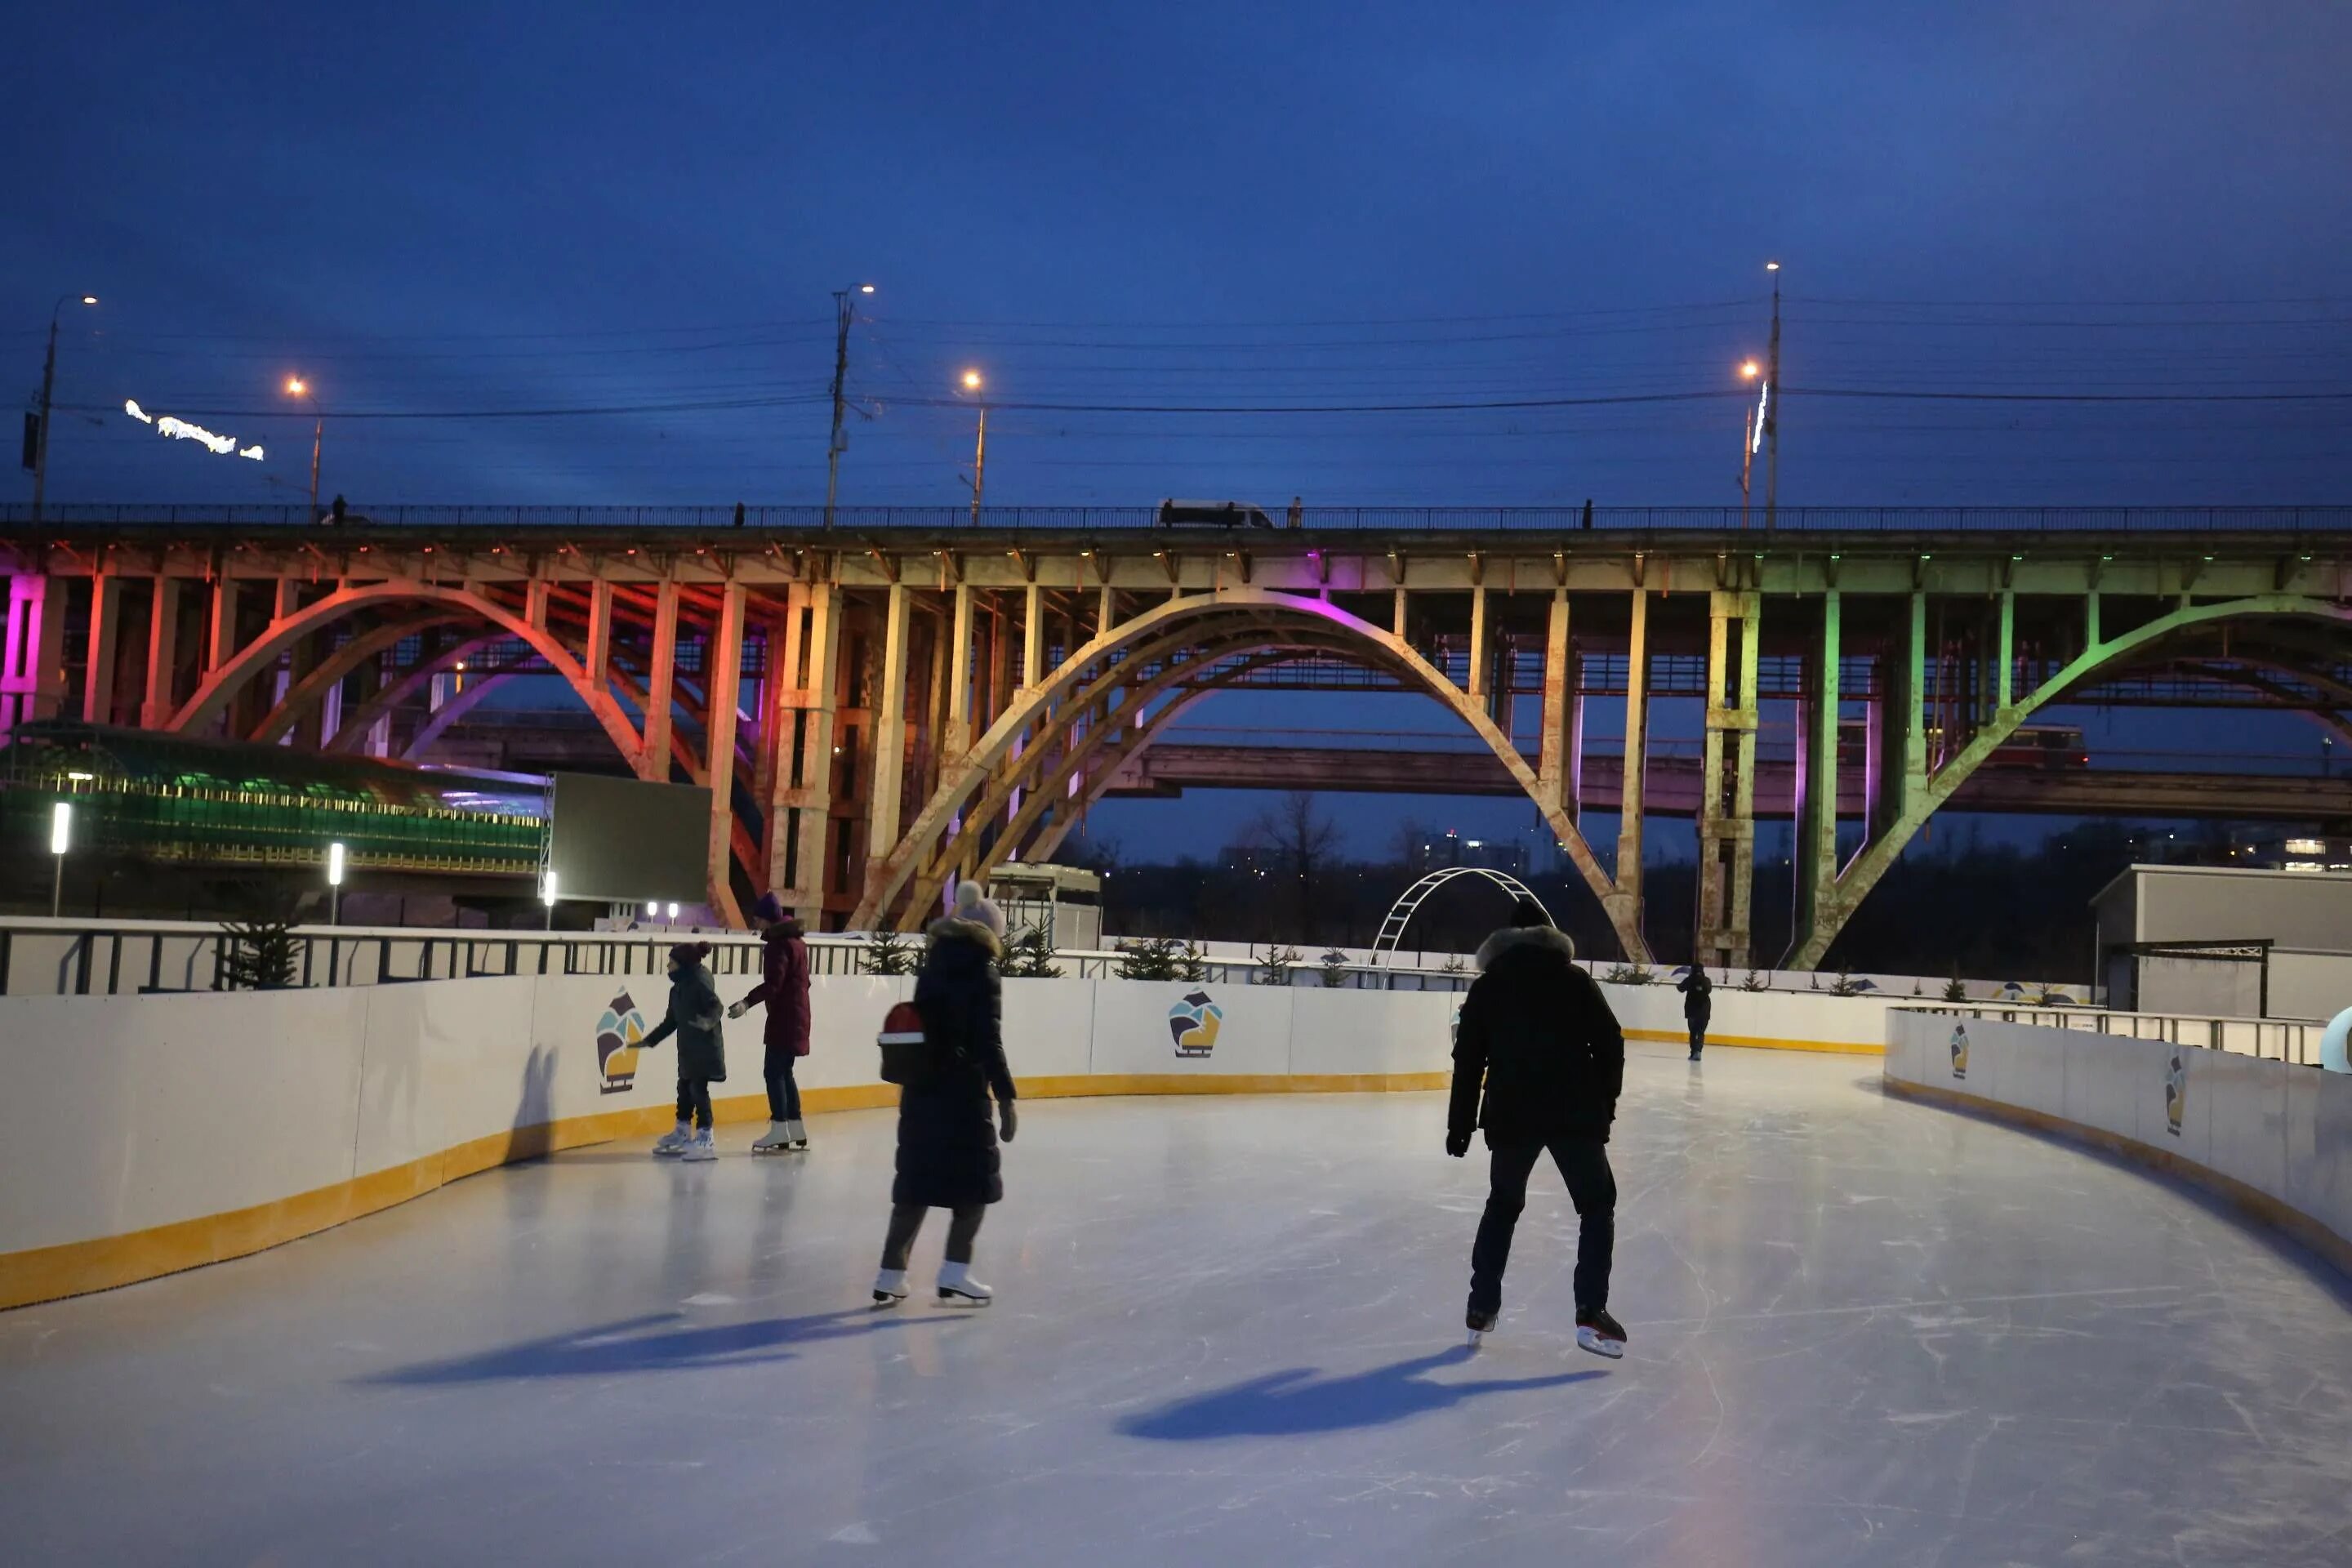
(695, 1016)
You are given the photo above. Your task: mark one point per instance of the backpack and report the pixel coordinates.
(903, 1056)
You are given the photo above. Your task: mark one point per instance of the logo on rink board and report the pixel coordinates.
(1193, 1023)
(617, 1034)
(2176, 1092)
(1959, 1050)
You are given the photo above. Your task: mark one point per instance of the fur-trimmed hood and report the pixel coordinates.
(1510, 937)
(950, 929)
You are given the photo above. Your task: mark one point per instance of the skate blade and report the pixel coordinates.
(1613, 1350)
(770, 1149)
(884, 1301)
(969, 1303)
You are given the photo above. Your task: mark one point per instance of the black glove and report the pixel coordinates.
(1007, 1124)
(1457, 1143)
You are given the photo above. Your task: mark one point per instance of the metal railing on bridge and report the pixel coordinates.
(715, 520)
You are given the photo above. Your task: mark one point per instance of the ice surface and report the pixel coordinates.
(1229, 1331)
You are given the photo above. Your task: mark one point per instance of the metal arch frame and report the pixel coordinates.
(1409, 902)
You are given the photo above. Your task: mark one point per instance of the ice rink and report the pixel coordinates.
(1229, 1331)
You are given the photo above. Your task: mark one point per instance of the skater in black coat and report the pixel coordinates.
(1539, 1060)
(946, 1142)
(695, 1017)
(1698, 1006)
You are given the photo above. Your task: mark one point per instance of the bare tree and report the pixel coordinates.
(1301, 845)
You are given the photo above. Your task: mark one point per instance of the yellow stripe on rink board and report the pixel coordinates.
(1834, 1047)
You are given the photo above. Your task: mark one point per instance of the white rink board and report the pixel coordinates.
(1343, 1032)
(1133, 1034)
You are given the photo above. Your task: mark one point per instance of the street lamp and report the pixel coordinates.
(60, 841)
(1751, 433)
(546, 894)
(335, 883)
(48, 387)
(840, 442)
(971, 382)
(297, 387)
(1769, 417)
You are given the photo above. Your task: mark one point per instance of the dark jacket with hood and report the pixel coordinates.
(696, 1018)
(784, 988)
(1537, 1054)
(1698, 996)
(946, 1138)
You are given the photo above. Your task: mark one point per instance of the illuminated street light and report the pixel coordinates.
(48, 384)
(971, 382)
(1749, 369)
(297, 387)
(673, 911)
(335, 884)
(60, 841)
(546, 894)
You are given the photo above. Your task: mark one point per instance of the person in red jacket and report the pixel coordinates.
(783, 990)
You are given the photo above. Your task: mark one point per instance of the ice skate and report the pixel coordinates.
(797, 1133)
(1480, 1324)
(889, 1287)
(959, 1288)
(699, 1148)
(1602, 1334)
(675, 1140)
(776, 1139)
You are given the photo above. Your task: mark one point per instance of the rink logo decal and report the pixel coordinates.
(1193, 1023)
(2176, 1092)
(617, 1034)
(1959, 1050)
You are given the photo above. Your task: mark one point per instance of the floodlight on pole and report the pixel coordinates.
(673, 911)
(335, 883)
(971, 382)
(547, 895)
(60, 841)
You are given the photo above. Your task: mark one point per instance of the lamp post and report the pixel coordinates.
(297, 387)
(335, 883)
(1752, 431)
(971, 382)
(1769, 414)
(60, 841)
(49, 388)
(547, 895)
(842, 314)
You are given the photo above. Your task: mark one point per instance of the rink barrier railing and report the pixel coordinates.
(2291, 1040)
(2270, 1138)
(149, 1133)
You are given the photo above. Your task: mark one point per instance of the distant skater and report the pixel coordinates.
(946, 1144)
(1698, 1006)
(783, 990)
(1539, 1061)
(695, 1018)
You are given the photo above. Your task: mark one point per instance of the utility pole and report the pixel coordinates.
(318, 439)
(979, 464)
(842, 314)
(49, 388)
(1772, 410)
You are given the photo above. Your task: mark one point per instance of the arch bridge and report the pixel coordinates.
(879, 712)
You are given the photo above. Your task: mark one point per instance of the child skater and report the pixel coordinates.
(695, 1018)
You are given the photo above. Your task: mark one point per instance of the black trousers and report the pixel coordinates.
(694, 1101)
(1584, 1165)
(1697, 1033)
(784, 1093)
(906, 1219)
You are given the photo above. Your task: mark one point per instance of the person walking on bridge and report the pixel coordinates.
(1539, 1061)
(783, 990)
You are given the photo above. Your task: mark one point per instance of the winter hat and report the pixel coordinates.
(971, 906)
(769, 908)
(1526, 912)
(690, 952)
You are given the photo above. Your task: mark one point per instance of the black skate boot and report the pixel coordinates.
(1480, 1324)
(1602, 1334)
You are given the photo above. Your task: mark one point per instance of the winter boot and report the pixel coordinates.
(889, 1287)
(775, 1140)
(675, 1140)
(959, 1288)
(1599, 1332)
(699, 1148)
(797, 1131)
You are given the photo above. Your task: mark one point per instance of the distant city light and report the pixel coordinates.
(2307, 847)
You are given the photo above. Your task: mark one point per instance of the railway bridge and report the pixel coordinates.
(912, 697)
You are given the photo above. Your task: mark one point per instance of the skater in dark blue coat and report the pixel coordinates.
(946, 1142)
(695, 1017)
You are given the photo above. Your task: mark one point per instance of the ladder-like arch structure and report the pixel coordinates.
(1029, 777)
(1409, 902)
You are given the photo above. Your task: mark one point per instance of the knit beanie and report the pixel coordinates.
(969, 905)
(1526, 912)
(769, 908)
(690, 952)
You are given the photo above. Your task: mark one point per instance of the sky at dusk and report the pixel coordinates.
(572, 253)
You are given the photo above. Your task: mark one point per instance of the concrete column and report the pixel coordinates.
(162, 654)
(957, 740)
(780, 722)
(1902, 723)
(1033, 638)
(2091, 638)
(289, 597)
(1396, 623)
(661, 687)
(1106, 609)
(722, 685)
(1816, 858)
(220, 631)
(1743, 846)
(33, 682)
(1726, 807)
(1625, 905)
(808, 791)
(889, 733)
(597, 658)
(1575, 740)
(1551, 773)
(1477, 685)
(98, 668)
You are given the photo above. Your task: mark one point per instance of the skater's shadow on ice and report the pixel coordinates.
(650, 1343)
(1301, 1400)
